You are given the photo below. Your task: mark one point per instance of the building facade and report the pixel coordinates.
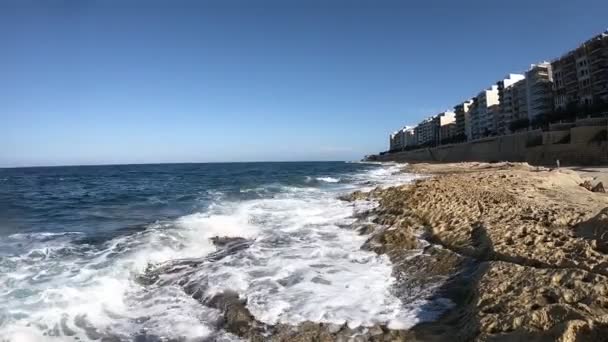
(445, 126)
(483, 113)
(507, 99)
(394, 144)
(463, 121)
(402, 138)
(580, 77)
(410, 137)
(513, 106)
(425, 132)
(539, 91)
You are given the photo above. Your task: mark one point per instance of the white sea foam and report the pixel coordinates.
(328, 179)
(390, 174)
(96, 287)
(301, 265)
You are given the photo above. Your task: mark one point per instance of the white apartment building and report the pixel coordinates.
(445, 124)
(410, 136)
(393, 141)
(507, 96)
(463, 119)
(539, 90)
(425, 132)
(483, 112)
(513, 106)
(402, 138)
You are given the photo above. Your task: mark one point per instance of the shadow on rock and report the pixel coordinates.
(460, 323)
(596, 230)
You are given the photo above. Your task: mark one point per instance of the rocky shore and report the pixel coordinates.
(525, 249)
(520, 254)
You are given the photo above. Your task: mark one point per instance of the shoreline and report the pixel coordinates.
(524, 249)
(501, 251)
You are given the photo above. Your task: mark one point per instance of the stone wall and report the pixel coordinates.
(574, 146)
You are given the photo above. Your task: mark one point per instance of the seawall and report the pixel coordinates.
(580, 143)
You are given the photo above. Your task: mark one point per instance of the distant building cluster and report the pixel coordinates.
(548, 91)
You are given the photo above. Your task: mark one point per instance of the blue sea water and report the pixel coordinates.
(73, 241)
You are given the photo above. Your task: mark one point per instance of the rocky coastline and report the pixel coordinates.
(525, 250)
(520, 253)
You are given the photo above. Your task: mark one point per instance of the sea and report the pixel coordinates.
(75, 242)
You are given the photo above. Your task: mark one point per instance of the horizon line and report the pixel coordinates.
(175, 163)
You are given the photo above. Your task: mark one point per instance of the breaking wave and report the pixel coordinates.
(302, 262)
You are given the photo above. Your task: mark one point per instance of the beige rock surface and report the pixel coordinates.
(537, 238)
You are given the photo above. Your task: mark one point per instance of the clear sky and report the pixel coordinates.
(88, 82)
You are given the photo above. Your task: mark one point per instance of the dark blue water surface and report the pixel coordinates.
(103, 201)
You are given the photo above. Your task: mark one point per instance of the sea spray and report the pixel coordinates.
(302, 261)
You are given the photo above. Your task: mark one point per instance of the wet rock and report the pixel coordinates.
(148, 277)
(291, 279)
(388, 239)
(237, 318)
(376, 331)
(356, 196)
(227, 246)
(366, 228)
(222, 241)
(320, 280)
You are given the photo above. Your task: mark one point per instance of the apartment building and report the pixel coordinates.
(425, 132)
(580, 77)
(483, 113)
(463, 120)
(507, 101)
(410, 136)
(539, 92)
(394, 141)
(402, 138)
(447, 131)
(513, 106)
(445, 126)
(429, 131)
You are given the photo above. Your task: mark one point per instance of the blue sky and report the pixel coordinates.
(89, 82)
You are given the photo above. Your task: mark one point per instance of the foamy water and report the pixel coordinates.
(303, 264)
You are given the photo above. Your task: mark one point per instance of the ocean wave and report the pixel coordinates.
(70, 284)
(42, 235)
(300, 265)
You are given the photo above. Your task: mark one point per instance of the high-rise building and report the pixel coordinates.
(429, 133)
(463, 122)
(410, 136)
(445, 126)
(425, 132)
(394, 143)
(483, 112)
(580, 77)
(507, 96)
(539, 94)
(513, 106)
(402, 138)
